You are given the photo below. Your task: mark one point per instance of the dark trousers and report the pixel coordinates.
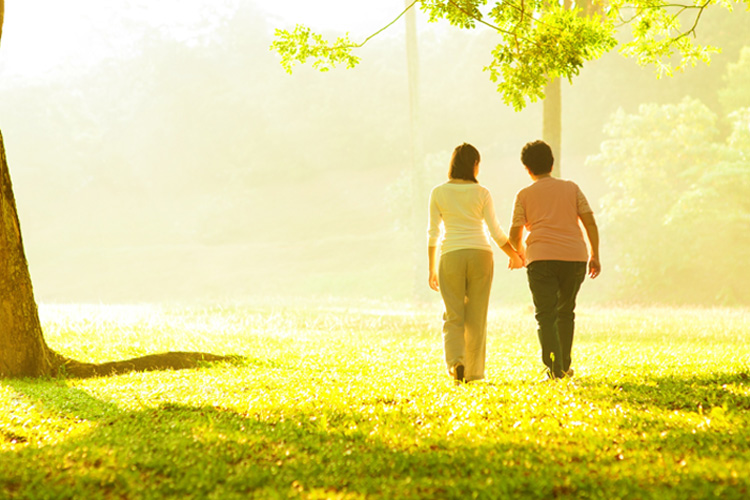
(554, 286)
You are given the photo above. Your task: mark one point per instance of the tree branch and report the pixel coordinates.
(384, 27)
(701, 9)
(497, 28)
(478, 19)
(457, 6)
(2, 16)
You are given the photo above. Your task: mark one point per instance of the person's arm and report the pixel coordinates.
(592, 232)
(517, 222)
(433, 279)
(433, 235)
(497, 233)
(516, 240)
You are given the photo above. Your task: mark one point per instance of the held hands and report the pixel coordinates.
(516, 261)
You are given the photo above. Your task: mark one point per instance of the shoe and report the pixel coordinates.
(550, 375)
(569, 373)
(458, 373)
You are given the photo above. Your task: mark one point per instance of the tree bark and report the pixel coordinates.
(552, 122)
(552, 114)
(418, 196)
(23, 351)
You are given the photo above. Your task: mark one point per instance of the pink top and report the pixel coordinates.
(549, 209)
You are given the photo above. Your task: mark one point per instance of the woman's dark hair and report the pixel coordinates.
(537, 157)
(464, 158)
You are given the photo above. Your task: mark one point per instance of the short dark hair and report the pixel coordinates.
(463, 160)
(537, 157)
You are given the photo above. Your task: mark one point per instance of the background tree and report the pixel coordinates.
(417, 147)
(23, 351)
(736, 92)
(540, 40)
(650, 160)
(678, 216)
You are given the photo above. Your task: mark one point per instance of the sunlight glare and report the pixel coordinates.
(358, 18)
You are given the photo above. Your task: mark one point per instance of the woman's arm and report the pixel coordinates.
(433, 278)
(433, 235)
(497, 233)
(592, 232)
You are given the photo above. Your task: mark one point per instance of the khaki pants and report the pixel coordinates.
(465, 278)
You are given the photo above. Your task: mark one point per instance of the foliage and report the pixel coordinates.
(351, 401)
(541, 40)
(739, 140)
(684, 194)
(736, 92)
(302, 44)
(658, 33)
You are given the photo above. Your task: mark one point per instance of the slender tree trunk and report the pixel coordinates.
(552, 122)
(418, 196)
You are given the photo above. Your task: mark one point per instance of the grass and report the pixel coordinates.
(352, 402)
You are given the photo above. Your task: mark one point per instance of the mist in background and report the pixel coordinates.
(161, 153)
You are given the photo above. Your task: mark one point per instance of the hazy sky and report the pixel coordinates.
(361, 17)
(307, 182)
(41, 35)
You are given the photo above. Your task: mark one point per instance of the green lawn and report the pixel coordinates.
(352, 402)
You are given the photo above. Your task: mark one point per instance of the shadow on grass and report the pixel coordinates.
(177, 451)
(690, 392)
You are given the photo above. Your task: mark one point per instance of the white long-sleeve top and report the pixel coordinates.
(467, 214)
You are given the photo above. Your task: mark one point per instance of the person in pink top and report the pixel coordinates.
(555, 252)
(460, 223)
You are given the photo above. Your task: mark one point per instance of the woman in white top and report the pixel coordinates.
(465, 271)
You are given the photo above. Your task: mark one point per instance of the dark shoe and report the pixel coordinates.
(458, 372)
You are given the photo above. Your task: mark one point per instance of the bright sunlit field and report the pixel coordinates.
(341, 401)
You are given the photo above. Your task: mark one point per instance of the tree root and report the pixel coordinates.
(177, 360)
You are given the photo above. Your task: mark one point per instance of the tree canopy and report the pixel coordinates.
(540, 39)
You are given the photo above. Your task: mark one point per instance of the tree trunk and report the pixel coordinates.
(418, 196)
(552, 122)
(23, 351)
(552, 119)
